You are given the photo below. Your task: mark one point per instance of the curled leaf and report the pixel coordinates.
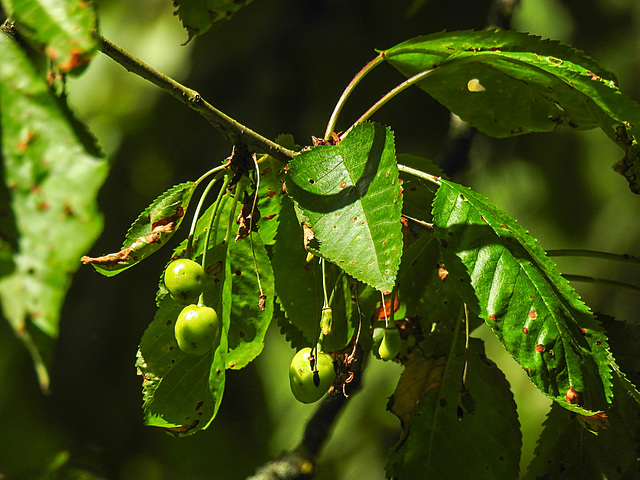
(151, 230)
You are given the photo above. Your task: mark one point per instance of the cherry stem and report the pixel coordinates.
(392, 306)
(387, 97)
(324, 284)
(253, 209)
(240, 188)
(210, 172)
(420, 174)
(384, 310)
(196, 214)
(211, 228)
(347, 92)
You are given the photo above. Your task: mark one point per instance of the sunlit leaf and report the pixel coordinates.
(270, 199)
(349, 200)
(151, 230)
(64, 28)
(507, 83)
(505, 278)
(53, 177)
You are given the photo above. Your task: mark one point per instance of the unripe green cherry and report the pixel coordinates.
(390, 344)
(198, 329)
(184, 279)
(310, 377)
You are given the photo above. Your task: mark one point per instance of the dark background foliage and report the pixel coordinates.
(279, 67)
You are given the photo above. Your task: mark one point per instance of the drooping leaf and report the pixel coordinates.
(250, 314)
(506, 279)
(568, 443)
(449, 435)
(349, 200)
(198, 15)
(624, 338)
(507, 83)
(270, 199)
(297, 281)
(64, 28)
(182, 392)
(151, 230)
(53, 179)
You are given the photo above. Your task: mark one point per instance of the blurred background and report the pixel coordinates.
(279, 67)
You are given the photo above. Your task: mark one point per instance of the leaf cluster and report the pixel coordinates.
(337, 230)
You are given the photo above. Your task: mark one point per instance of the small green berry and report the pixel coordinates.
(184, 279)
(390, 344)
(198, 329)
(310, 377)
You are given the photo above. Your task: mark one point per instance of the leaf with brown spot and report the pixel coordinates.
(151, 230)
(64, 30)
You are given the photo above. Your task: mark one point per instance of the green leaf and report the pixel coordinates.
(349, 200)
(568, 444)
(198, 15)
(151, 230)
(624, 339)
(448, 435)
(270, 199)
(297, 282)
(182, 392)
(505, 277)
(249, 321)
(64, 28)
(53, 181)
(507, 83)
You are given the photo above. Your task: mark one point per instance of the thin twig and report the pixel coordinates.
(601, 281)
(594, 254)
(347, 91)
(230, 129)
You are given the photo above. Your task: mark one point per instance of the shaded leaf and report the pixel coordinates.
(566, 447)
(249, 322)
(53, 181)
(151, 230)
(64, 28)
(198, 15)
(505, 278)
(438, 442)
(418, 193)
(506, 83)
(349, 200)
(297, 281)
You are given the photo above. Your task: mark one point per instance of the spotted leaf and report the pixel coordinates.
(506, 278)
(349, 201)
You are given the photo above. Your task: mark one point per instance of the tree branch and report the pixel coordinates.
(230, 129)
